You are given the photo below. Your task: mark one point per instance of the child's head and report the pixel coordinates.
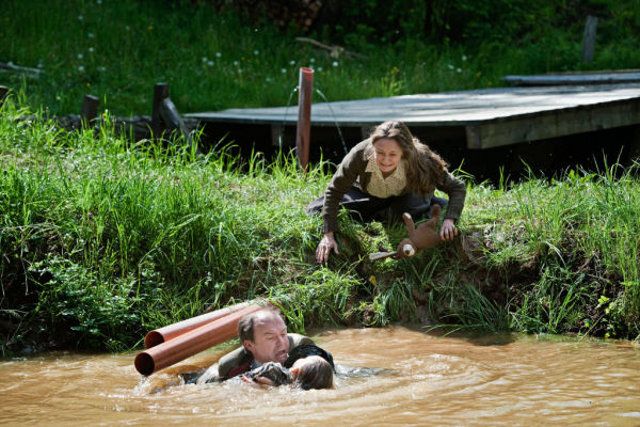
(312, 372)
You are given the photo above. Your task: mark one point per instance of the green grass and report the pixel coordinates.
(214, 60)
(103, 238)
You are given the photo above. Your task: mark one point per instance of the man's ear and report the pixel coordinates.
(248, 345)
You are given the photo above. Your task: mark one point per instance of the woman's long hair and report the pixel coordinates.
(424, 167)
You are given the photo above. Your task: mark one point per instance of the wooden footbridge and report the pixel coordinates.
(461, 125)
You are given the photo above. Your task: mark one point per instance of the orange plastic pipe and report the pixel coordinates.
(166, 333)
(192, 342)
(303, 129)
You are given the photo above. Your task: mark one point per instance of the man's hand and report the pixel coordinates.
(259, 382)
(327, 244)
(448, 230)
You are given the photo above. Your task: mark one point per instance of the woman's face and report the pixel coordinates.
(387, 154)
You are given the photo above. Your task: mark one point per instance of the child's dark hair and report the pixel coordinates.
(316, 375)
(308, 350)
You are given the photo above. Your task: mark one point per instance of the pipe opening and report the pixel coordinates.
(152, 339)
(144, 364)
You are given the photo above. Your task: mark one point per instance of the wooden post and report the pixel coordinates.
(4, 91)
(89, 110)
(160, 92)
(171, 118)
(303, 129)
(589, 38)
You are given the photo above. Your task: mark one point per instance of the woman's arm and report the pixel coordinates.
(457, 191)
(346, 174)
(351, 166)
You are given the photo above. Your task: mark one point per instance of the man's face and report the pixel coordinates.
(270, 342)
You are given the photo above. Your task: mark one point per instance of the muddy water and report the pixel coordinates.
(503, 380)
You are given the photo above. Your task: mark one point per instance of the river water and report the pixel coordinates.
(428, 379)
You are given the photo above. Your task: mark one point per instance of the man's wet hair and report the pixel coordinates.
(246, 325)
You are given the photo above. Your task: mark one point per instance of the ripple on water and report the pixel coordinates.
(423, 379)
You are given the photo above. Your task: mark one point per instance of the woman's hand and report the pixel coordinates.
(325, 246)
(448, 230)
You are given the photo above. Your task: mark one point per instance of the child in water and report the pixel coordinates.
(308, 366)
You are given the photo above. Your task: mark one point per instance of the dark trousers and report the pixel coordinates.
(365, 207)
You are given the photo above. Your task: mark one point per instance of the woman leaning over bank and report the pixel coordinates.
(389, 173)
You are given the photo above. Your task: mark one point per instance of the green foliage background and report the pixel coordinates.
(214, 58)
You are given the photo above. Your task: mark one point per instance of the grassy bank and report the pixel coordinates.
(214, 60)
(102, 239)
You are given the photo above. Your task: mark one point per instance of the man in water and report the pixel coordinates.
(264, 338)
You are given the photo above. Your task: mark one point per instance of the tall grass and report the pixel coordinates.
(160, 224)
(107, 238)
(579, 235)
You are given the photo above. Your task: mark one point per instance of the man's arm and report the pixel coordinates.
(234, 363)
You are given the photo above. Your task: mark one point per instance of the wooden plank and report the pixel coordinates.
(555, 123)
(28, 71)
(441, 109)
(491, 117)
(574, 79)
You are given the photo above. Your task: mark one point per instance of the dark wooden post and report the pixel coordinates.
(160, 92)
(589, 38)
(171, 118)
(89, 110)
(303, 129)
(4, 91)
